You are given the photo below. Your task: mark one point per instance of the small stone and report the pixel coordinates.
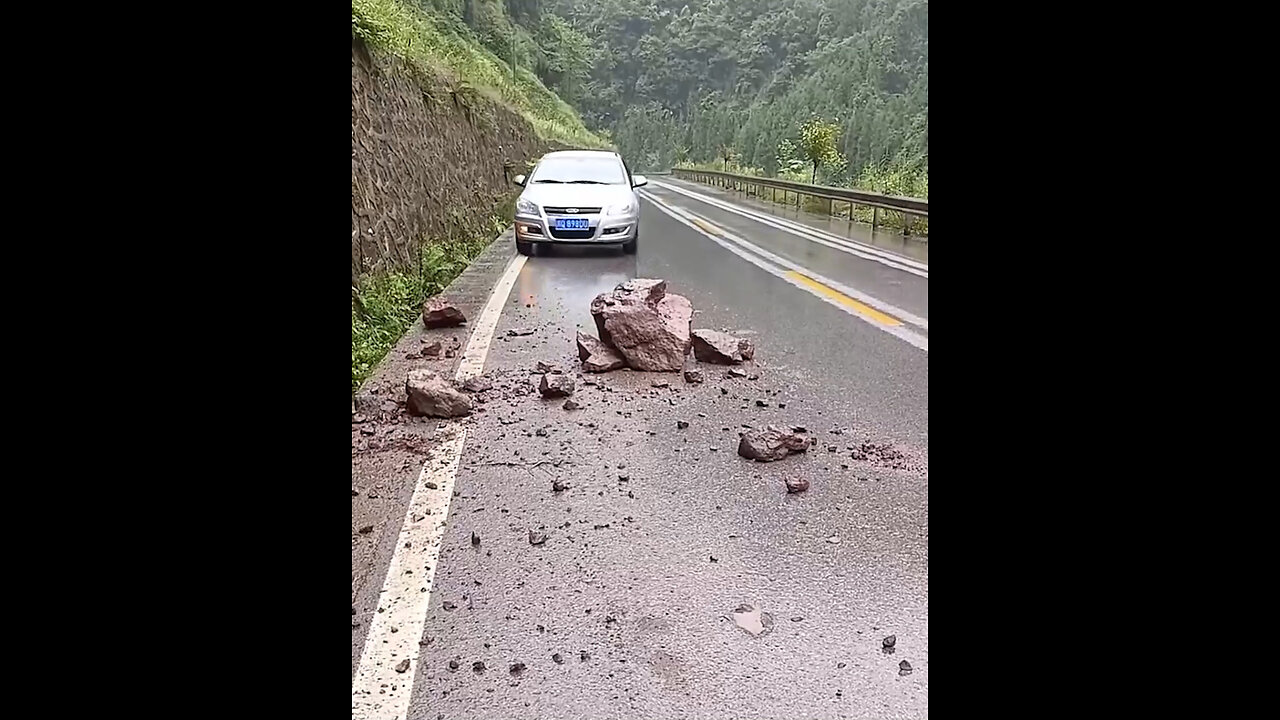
(624, 477)
(475, 538)
(544, 368)
(432, 486)
(536, 537)
(450, 605)
(432, 350)
(840, 666)
(659, 383)
(453, 664)
(797, 485)
(353, 610)
(773, 443)
(516, 668)
(571, 404)
(520, 332)
(681, 424)
(584, 656)
(557, 658)
(761, 403)
(904, 668)
(834, 539)
(450, 353)
(890, 641)
(403, 665)
(797, 618)
(556, 385)
(558, 485)
(736, 373)
(366, 529)
(478, 666)
(477, 384)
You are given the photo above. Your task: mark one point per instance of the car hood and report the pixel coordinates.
(577, 195)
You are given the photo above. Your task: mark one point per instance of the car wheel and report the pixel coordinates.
(629, 248)
(524, 248)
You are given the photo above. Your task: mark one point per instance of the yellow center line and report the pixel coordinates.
(706, 225)
(860, 308)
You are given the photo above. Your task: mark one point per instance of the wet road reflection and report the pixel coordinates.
(569, 277)
(890, 239)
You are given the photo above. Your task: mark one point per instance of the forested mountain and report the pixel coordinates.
(679, 80)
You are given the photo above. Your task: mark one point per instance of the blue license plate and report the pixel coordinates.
(571, 223)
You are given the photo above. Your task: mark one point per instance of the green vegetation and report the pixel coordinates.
(676, 80)
(435, 41)
(385, 305)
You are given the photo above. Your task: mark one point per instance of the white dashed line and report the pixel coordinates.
(381, 689)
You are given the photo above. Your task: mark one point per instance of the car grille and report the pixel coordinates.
(573, 234)
(575, 210)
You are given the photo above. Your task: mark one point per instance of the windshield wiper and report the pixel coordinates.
(586, 182)
(559, 182)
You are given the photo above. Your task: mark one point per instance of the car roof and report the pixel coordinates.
(581, 153)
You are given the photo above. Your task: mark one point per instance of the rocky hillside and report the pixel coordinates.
(427, 160)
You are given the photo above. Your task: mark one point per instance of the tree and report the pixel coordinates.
(726, 153)
(818, 143)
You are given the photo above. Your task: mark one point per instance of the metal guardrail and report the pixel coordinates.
(909, 207)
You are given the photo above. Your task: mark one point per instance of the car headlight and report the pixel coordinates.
(620, 209)
(524, 207)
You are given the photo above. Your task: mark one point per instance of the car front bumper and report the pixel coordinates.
(600, 229)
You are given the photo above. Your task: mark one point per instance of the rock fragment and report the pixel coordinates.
(597, 357)
(773, 443)
(437, 313)
(556, 385)
(431, 395)
(648, 327)
(713, 346)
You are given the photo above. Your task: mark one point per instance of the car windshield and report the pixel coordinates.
(580, 170)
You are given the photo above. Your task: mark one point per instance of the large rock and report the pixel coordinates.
(773, 443)
(596, 356)
(432, 395)
(720, 347)
(556, 384)
(648, 327)
(437, 313)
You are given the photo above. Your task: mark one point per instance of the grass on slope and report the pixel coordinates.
(418, 38)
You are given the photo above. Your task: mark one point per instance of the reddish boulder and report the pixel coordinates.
(648, 327)
(433, 396)
(437, 313)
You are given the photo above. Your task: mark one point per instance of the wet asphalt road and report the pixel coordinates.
(634, 585)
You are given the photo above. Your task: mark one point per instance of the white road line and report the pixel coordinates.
(774, 265)
(380, 691)
(877, 303)
(866, 252)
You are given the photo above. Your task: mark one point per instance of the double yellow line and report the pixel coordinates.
(824, 290)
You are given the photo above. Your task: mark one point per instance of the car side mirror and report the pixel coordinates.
(639, 181)
(519, 180)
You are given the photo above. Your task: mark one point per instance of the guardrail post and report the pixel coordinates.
(850, 216)
(875, 218)
(906, 225)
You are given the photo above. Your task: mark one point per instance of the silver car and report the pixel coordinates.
(579, 196)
